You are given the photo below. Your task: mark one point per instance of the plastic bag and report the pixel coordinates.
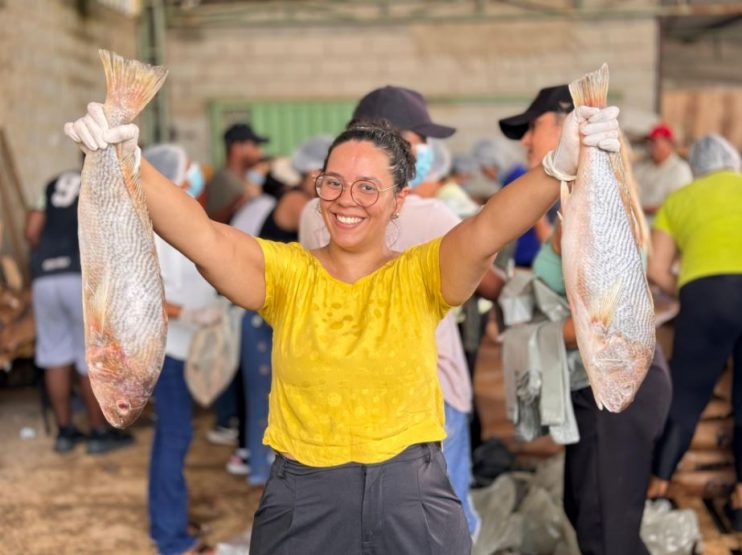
(670, 532)
(214, 356)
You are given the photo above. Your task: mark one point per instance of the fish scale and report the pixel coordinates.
(123, 296)
(604, 277)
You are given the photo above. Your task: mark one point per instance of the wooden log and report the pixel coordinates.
(713, 434)
(716, 409)
(705, 460)
(706, 483)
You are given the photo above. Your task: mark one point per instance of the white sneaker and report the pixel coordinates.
(237, 463)
(222, 436)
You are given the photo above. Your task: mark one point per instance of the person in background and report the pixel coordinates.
(702, 224)
(242, 176)
(447, 188)
(464, 170)
(276, 222)
(189, 304)
(607, 472)
(662, 172)
(493, 162)
(56, 283)
(420, 220)
(356, 410)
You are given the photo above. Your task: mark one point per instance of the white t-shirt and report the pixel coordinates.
(420, 220)
(251, 215)
(656, 182)
(186, 287)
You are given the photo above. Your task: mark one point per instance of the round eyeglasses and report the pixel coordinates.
(364, 193)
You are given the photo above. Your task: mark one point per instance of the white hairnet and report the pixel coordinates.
(441, 160)
(311, 155)
(712, 153)
(490, 152)
(464, 163)
(168, 159)
(499, 152)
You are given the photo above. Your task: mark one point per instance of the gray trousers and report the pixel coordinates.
(405, 505)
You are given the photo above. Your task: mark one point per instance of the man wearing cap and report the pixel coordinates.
(242, 176)
(606, 473)
(420, 220)
(663, 171)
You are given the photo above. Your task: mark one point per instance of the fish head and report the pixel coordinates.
(120, 385)
(617, 368)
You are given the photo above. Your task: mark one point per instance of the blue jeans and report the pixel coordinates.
(168, 493)
(458, 460)
(225, 406)
(255, 365)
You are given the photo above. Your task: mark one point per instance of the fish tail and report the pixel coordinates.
(130, 85)
(621, 165)
(591, 89)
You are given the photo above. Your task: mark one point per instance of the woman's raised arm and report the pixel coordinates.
(467, 249)
(230, 260)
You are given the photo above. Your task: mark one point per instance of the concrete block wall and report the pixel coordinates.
(474, 73)
(49, 70)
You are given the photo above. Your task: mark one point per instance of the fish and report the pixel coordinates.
(604, 277)
(123, 296)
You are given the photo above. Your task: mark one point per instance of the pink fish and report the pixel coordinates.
(123, 298)
(604, 277)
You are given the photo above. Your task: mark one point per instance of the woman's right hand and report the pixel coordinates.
(91, 132)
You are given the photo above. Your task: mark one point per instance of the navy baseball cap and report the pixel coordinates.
(240, 132)
(550, 99)
(404, 108)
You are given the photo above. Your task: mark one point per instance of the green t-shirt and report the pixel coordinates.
(705, 221)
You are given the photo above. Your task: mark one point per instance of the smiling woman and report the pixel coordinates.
(356, 412)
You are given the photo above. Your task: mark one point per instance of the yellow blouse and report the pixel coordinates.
(354, 365)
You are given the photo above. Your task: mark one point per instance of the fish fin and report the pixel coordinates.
(130, 85)
(591, 89)
(134, 188)
(621, 164)
(563, 198)
(603, 308)
(99, 301)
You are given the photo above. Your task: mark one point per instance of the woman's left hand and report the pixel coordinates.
(593, 127)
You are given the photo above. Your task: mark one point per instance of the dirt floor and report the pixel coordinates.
(85, 504)
(80, 503)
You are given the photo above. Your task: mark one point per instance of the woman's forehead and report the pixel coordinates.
(359, 158)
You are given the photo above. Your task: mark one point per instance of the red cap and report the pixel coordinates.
(661, 130)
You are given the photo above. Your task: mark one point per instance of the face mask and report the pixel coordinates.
(196, 181)
(256, 177)
(423, 163)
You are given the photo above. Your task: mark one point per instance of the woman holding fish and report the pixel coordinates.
(356, 415)
(607, 471)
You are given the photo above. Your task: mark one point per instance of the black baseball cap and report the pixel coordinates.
(240, 132)
(550, 99)
(404, 108)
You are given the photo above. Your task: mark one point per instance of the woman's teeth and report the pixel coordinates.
(348, 220)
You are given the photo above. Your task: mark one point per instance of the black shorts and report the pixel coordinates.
(403, 505)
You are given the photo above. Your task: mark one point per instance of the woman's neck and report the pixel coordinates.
(350, 266)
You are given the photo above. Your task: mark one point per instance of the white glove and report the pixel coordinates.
(91, 132)
(202, 317)
(598, 127)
